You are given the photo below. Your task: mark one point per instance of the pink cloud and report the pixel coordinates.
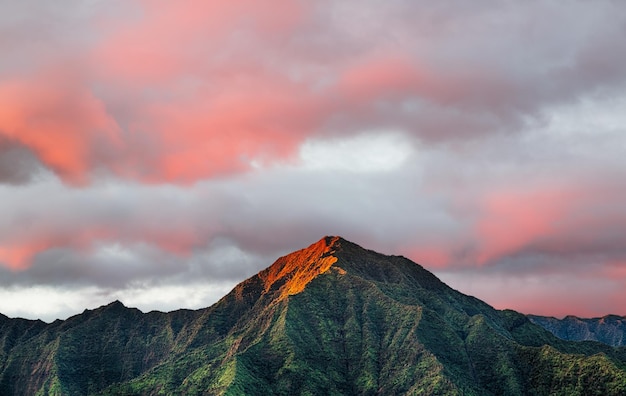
(53, 115)
(165, 41)
(19, 257)
(615, 270)
(215, 105)
(574, 292)
(19, 252)
(513, 219)
(218, 134)
(544, 228)
(379, 76)
(178, 92)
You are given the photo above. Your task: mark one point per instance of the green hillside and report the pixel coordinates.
(332, 319)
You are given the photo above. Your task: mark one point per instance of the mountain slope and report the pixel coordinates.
(87, 352)
(331, 319)
(610, 329)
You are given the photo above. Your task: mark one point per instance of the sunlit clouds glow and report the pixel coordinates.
(159, 152)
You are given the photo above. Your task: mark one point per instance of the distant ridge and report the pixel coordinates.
(610, 329)
(330, 319)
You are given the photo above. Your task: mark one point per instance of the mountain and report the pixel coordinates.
(610, 329)
(331, 319)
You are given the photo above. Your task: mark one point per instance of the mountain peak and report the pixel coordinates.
(115, 306)
(117, 303)
(291, 273)
(329, 243)
(362, 323)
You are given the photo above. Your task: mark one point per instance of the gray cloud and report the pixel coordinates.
(497, 130)
(441, 73)
(18, 165)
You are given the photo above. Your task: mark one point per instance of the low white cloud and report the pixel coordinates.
(372, 152)
(49, 303)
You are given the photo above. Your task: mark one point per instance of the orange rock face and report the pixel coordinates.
(293, 272)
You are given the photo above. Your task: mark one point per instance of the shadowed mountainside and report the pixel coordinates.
(610, 329)
(331, 319)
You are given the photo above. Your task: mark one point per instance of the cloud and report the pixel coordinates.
(550, 295)
(184, 91)
(149, 145)
(58, 120)
(50, 303)
(377, 151)
(18, 165)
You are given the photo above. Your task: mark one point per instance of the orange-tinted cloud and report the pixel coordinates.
(513, 219)
(19, 253)
(141, 97)
(19, 257)
(207, 135)
(163, 41)
(63, 123)
(381, 76)
(188, 107)
(162, 91)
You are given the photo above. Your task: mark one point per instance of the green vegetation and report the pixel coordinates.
(371, 324)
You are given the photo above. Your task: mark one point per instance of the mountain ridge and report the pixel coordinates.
(332, 318)
(608, 329)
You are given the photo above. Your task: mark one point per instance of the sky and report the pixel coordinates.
(159, 152)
